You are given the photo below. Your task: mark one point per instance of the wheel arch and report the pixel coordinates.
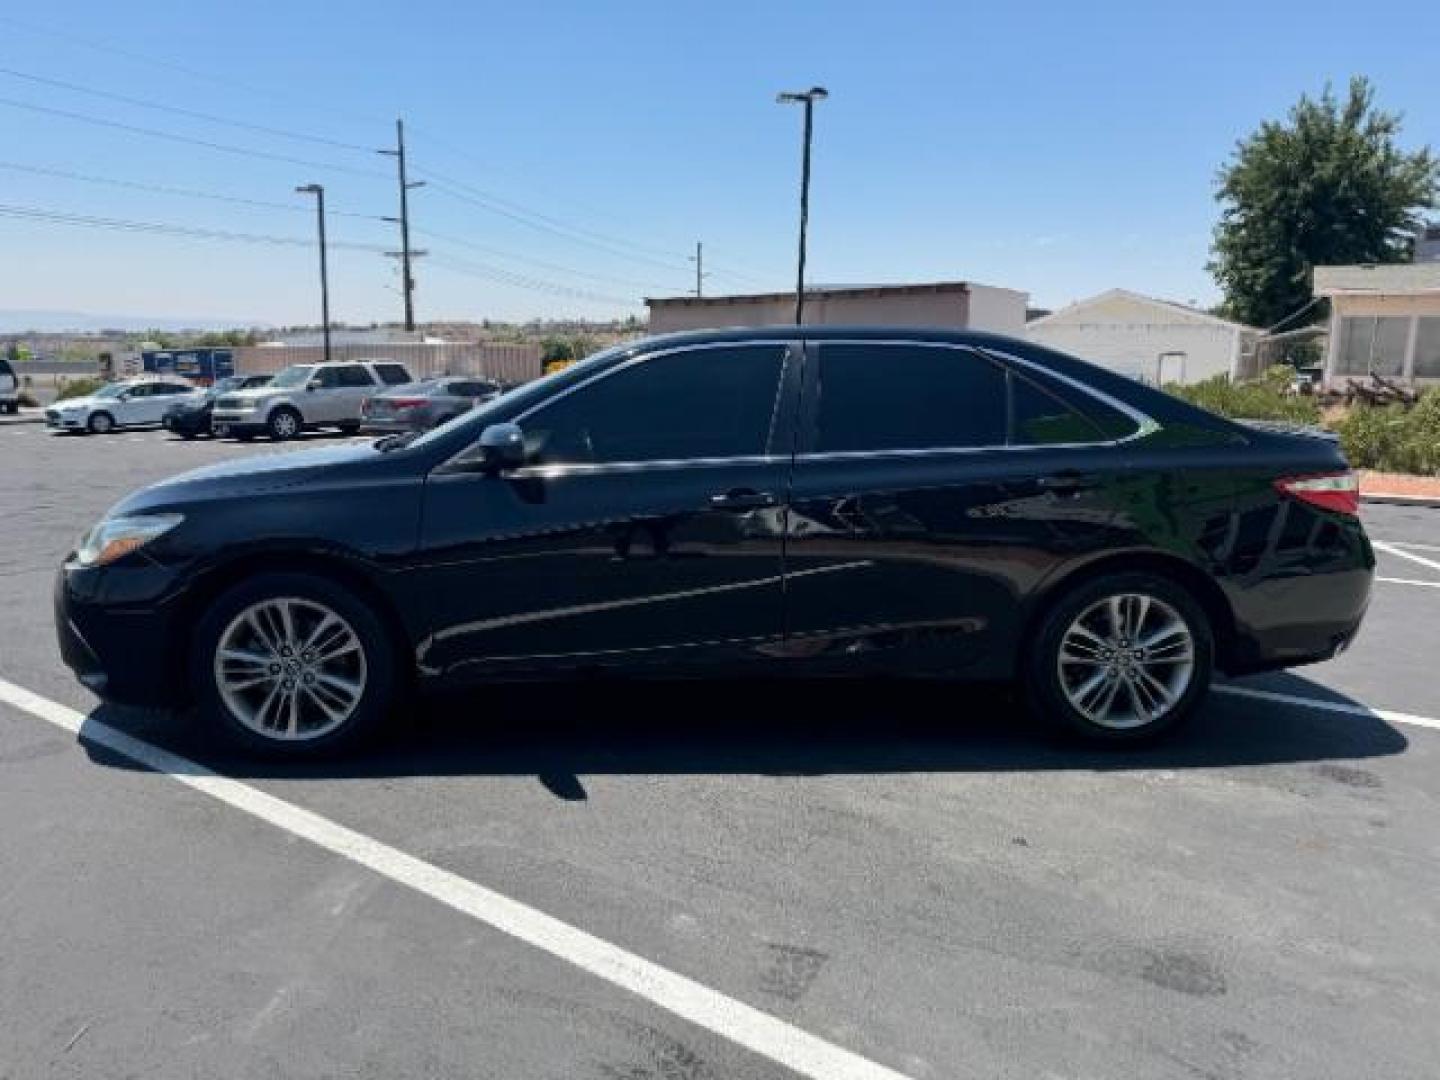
(1207, 593)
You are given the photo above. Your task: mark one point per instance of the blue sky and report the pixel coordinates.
(1058, 148)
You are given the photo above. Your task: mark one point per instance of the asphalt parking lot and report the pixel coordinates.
(682, 882)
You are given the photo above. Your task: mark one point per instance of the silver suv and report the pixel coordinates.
(306, 396)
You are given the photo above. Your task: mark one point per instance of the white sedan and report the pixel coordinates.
(128, 403)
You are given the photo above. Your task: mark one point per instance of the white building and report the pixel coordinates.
(1145, 338)
(1383, 319)
(943, 304)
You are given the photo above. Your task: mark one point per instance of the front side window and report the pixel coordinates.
(697, 403)
(877, 397)
(293, 376)
(352, 375)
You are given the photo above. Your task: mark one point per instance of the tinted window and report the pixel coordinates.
(908, 397)
(355, 375)
(5, 368)
(140, 390)
(701, 403)
(392, 374)
(1039, 418)
(472, 389)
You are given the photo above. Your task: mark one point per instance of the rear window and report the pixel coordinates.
(392, 374)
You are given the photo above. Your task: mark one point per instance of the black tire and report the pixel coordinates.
(379, 678)
(1045, 693)
(282, 424)
(100, 423)
(350, 427)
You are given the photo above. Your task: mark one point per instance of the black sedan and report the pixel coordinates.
(191, 418)
(822, 500)
(429, 403)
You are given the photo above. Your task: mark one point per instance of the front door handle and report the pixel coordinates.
(742, 499)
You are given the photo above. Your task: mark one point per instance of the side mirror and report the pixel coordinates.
(313, 384)
(502, 447)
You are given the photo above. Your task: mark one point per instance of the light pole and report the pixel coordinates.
(319, 192)
(808, 98)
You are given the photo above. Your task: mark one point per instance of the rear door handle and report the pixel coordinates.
(742, 499)
(1068, 481)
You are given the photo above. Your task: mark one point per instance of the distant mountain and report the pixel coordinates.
(18, 320)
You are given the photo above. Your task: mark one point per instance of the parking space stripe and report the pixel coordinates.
(1328, 706)
(757, 1031)
(1408, 581)
(1391, 549)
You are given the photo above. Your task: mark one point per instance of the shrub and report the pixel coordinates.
(1394, 438)
(79, 388)
(1266, 398)
(29, 400)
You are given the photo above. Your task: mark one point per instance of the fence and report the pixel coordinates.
(508, 363)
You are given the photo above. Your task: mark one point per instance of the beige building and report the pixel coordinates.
(1383, 319)
(946, 304)
(1157, 341)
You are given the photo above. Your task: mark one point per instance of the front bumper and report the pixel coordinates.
(130, 653)
(62, 422)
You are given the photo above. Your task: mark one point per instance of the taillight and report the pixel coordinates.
(365, 406)
(1339, 491)
(407, 403)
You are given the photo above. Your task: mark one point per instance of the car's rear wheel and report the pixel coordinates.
(1121, 659)
(283, 424)
(292, 665)
(100, 423)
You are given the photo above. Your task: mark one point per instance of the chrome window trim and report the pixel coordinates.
(1145, 424)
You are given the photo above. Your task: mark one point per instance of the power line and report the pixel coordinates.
(165, 189)
(192, 113)
(151, 60)
(60, 217)
(493, 273)
(541, 263)
(227, 148)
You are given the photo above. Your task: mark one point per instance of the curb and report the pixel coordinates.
(1387, 499)
(37, 418)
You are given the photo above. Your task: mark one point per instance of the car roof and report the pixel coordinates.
(847, 333)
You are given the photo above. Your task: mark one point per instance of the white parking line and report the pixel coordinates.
(1410, 544)
(766, 1035)
(1391, 549)
(1408, 581)
(1328, 706)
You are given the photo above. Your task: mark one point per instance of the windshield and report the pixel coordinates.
(293, 376)
(113, 390)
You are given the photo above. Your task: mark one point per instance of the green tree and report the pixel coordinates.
(556, 349)
(1327, 186)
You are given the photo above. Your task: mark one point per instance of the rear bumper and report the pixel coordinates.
(132, 655)
(1291, 621)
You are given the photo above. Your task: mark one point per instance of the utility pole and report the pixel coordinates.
(808, 99)
(319, 193)
(404, 254)
(699, 260)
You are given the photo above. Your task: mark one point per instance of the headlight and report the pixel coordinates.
(117, 537)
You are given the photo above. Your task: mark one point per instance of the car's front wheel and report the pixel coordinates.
(1121, 659)
(283, 424)
(100, 423)
(291, 665)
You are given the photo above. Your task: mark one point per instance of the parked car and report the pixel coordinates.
(426, 404)
(190, 417)
(136, 402)
(9, 388)
(306, 396)
(821, 501)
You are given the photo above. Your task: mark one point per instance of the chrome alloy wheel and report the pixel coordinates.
(1126, 660)
(284, 425)
(290, 669)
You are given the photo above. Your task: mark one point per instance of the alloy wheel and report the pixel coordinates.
(290, 669)
(284, 425)
(1126, 660)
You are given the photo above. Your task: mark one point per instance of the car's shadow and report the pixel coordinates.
(561, 733)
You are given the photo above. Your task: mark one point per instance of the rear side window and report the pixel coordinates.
(698, 403)
(1039, 418)
(876, 397)
(393, 374)
(1107, 421)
